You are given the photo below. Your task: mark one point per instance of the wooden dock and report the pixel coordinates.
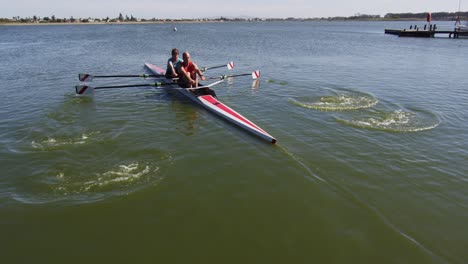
(430, 33)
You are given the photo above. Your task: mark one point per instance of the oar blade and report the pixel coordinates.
(256, 74)
(84, 90)
(84, 77)
(230, 65)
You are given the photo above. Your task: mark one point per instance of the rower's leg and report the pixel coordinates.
(193, 76)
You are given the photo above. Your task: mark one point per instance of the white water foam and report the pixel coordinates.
(340, 102)
(53, 143)
(396, 121)
(123, 174)
(76, 186)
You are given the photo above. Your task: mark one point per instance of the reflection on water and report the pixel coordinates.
(255, 84)
(187, 113)
(277, 82)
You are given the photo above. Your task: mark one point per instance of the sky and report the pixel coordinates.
(215, 8)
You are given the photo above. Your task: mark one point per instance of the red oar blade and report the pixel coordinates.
(84, 77)
(84, 90)
(256, 74)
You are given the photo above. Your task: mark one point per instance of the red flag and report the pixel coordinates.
(429, 17)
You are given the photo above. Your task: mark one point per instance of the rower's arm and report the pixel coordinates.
(199, 72)
(185, 75)
(171, 67)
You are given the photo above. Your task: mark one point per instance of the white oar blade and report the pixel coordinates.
(84, 77)
(84, 90)
(230, 65)
(256, 74)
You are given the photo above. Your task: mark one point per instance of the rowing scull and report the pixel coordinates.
(210, 102)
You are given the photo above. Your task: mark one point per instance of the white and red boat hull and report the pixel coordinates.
(214, 105)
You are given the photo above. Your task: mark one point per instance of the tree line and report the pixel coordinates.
(435, 15)
(54, 19)
(441, 16)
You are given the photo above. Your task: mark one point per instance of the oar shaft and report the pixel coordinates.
(213, 67)
(112, 76)
(85, 77)
(236, 75)
(230, 65)
(127, 85)
(85, 89)
(229, 76)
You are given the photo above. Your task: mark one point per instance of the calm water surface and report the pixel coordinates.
(370, 164)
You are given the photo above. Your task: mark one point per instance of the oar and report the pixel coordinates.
(230, 66)
(255, 75)
(86, 89)
(86, 77)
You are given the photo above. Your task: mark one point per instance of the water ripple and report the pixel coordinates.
(339, 101)
(56, 142)
(401, 120)
(90, 183)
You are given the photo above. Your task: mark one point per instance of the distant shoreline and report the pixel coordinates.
(199, 22)
(100, 23)
(121, 20)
